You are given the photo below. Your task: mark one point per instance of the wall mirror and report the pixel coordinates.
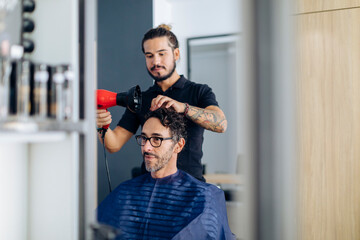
(214, 60)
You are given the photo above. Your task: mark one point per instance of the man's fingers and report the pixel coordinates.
(162, 101)
(169, 104)
(158, 102)
(103, 121)
(103, 118)
(101, 110)
(155, 101)
(103, 114)
(166, 102)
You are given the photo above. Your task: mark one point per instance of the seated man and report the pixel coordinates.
(165, 203)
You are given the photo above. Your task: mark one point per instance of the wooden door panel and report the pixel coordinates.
(329, 124)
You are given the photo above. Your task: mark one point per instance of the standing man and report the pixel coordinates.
(196, 101)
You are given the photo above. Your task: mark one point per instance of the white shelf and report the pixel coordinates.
(33, 131)
(32, 137)
(34, 126)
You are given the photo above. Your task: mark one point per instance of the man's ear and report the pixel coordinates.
(176, 54)
(180, 145)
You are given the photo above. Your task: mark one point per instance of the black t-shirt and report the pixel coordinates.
(185, 91)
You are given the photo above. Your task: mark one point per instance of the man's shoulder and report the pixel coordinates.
(203, 186)
(200, 88)
(190, 83)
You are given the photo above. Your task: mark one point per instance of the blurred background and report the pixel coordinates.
(284, 72)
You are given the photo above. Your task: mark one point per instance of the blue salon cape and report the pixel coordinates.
(175, 207)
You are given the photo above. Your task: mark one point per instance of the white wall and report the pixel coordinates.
(162, 12)
(13, 188)
(194, 18)
(53, 190)
(56, 32)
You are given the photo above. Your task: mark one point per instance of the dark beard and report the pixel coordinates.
(161, 161)
(160, 79)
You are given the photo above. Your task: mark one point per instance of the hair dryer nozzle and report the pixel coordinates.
(131, 99)
(105, 99)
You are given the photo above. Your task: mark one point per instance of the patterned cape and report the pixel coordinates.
(175, 207)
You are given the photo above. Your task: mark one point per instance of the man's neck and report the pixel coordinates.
(167, 170)
(164, 85)
(159, 174)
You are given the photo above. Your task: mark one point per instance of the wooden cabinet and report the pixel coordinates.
(307, 6)
(329, 120)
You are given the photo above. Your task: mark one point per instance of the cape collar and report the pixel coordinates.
(167, 179)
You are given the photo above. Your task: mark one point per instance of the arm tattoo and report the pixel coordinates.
(208, 119)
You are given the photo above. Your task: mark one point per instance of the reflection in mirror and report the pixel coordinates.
(10, 32)
(212, 60)
(10, 25)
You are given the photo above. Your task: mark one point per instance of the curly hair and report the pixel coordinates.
(162, 30)
(171, 119)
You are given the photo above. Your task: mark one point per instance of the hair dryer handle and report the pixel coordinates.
(105, 127)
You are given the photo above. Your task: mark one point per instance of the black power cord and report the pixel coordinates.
(102, 132)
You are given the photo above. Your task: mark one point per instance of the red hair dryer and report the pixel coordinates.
(130, 99)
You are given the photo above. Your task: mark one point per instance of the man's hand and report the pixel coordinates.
(103, 117)
(211, 118)
(166, 102)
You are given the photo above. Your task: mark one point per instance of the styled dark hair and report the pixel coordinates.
(162, 30)
(171, 119)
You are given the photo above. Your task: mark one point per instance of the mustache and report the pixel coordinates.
(157, 66)
(150, 154)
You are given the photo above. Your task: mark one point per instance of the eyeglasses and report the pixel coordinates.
(154, 141)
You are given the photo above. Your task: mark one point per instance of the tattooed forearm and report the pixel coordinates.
(213, 120)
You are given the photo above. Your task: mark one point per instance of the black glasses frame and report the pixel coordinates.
(141, 140)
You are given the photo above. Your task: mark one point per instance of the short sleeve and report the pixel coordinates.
(206, 97)
(129, 121)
